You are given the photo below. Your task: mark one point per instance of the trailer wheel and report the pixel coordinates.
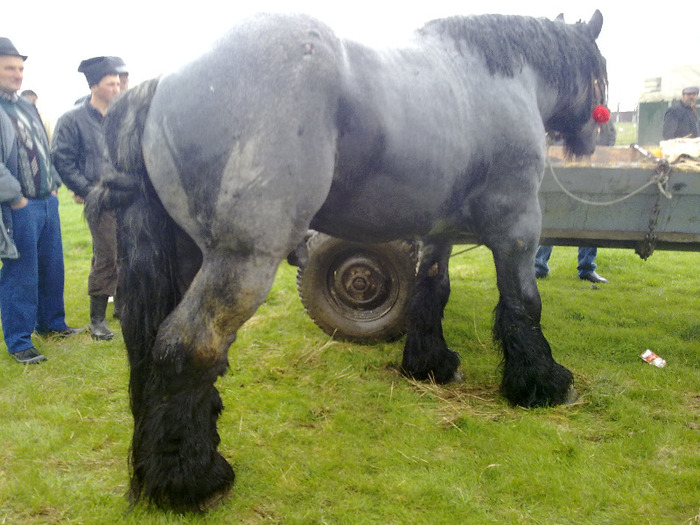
(358, 292)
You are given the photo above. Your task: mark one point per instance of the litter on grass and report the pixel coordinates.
(653, 359)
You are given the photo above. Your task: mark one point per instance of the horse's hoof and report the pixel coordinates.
(215, 501)
(571, 396)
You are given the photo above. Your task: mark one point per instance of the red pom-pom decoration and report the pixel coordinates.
(601, 114)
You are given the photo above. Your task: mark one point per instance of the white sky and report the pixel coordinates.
(154, 36)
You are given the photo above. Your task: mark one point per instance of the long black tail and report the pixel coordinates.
(156, 261)
(148, 285)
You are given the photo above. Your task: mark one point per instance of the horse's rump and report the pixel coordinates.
(252, 139)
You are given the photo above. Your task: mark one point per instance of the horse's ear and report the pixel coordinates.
(559, 18)
(595, 24)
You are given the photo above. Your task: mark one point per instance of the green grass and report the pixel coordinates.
(626, 133)
(321, 431)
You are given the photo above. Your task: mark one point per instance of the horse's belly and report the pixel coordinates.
(381, 209)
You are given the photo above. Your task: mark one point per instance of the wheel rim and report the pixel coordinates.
(361, 287)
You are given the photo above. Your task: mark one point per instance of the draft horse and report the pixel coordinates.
(224, 165)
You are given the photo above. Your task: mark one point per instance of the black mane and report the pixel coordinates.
(563, 54)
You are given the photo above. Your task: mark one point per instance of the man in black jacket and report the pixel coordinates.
(80, 156)
(681, 119)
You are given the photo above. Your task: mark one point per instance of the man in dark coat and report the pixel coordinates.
(681, 119)
(80, 155)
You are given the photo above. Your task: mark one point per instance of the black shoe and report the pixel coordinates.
(70, 332)
(62, 334)
(593, 277)
(29, 356)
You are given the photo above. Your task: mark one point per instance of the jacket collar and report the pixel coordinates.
(14, 97)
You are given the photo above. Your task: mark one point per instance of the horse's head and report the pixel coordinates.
(573, 118)
(564, 56)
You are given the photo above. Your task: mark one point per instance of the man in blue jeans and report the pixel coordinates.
(31, 278)
(586, 265)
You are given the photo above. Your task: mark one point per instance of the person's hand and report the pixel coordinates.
(21, 204)
(78, 199)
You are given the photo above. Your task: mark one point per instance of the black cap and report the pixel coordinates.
(8, 48)
(95, 69)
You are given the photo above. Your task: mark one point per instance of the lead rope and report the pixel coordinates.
(660, 178)
(466, 250)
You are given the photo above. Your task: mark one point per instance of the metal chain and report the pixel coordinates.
(647, 246)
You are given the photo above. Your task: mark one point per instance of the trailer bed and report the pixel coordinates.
(645, 220)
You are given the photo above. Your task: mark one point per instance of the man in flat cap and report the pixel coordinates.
(681, 119)
(80, 154)
(32, 274)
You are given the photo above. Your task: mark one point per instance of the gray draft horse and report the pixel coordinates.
(223, 165)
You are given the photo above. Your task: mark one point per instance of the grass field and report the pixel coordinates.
(626, 133)
(321, 431)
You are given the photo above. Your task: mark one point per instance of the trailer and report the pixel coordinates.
(621, 197)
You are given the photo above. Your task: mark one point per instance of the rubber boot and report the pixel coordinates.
(98, 326)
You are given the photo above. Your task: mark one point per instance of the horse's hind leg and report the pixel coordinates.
(426, 355)
(175, 460)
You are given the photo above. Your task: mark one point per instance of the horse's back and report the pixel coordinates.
(245, 135)
(422, 127)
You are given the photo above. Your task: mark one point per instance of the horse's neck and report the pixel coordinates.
(546, 96)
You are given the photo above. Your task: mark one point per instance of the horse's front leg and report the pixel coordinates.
(175, 462)
(426, 355)
(531, 377)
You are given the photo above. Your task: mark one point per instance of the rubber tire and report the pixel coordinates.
(358, 292)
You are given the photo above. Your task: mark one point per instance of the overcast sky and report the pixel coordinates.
(153, 36)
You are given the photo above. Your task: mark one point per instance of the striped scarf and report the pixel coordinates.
(34, 159)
